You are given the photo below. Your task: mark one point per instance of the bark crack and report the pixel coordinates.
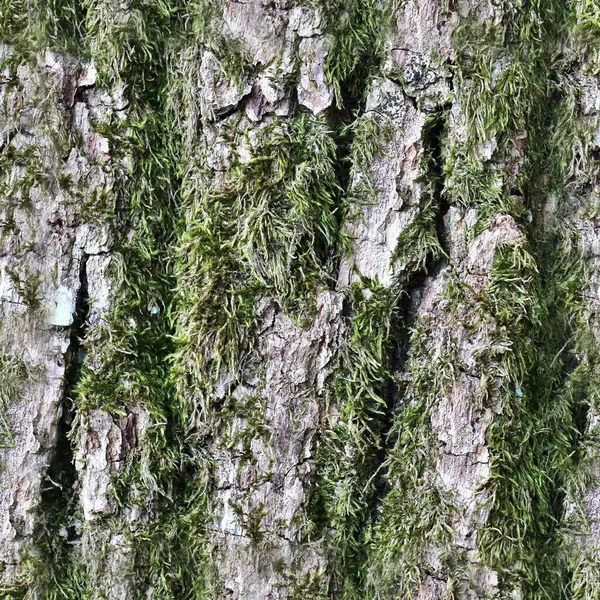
(60, 527)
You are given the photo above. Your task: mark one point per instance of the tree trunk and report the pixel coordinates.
(299, 299)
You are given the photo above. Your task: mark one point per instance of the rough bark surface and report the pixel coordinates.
(299, 299)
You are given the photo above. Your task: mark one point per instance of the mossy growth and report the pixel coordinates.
(420, 244)
(527, 291)
(128, 46)
(127, 350)
(350, 475)
(535, 291)
(250, 520)
(519, 110)
(587, 26)
(585, 583)
(414, 516)
(291, 176)
(14, 372)
(347, 451)
(582, 390)
(22, 170)
(27, 286)
(505, 87)
(350, 451)
(31, 26)
(370, 133)
(270, 229)
(531, 446)
(252, 410)
(357, 32)
(308, 587)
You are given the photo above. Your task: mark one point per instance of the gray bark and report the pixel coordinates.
(299, 299)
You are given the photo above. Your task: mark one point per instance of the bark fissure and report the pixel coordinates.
(411, 287)
(60, 527)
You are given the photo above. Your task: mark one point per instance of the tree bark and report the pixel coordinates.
(299, 299)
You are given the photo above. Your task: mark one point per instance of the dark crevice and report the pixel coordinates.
(580, 415)
(228, 111)
(81, 93)
(8, 138)
(412, 285)
(350, 105)
(59, 490)
(339, 119)
(580, 407)
(433, 138)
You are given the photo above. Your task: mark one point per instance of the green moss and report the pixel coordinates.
(414, 515)
(128, 46)
(127, 351)
(587, 27)
(22, 170)
(347, 451)
(513, 93)
(531, 444)
(33, 25)
(196, 251)
(14, 18)
(27, 286)
(350, 476)
(357, 31)
(533, 300)
(253, 411)
(251, 521)
(309, 587)
(505, 85)
(269, 230)
(370, 133)
(14, 372)
(586, 584)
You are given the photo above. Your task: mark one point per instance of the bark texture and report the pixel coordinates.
(299, 299)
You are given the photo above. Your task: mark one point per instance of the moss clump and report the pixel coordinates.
(369, 134)
(350, 475)
(31, 26)
(505, 88)
(269, 230)
(587, 27)
(22, 170)
(357, 31)
(26, 286)
(534, 294)
(127, 350)
(531, 446)
(585, 584)
(583, 391)
(14, 372)
(519, 101)
(413, 516)
(420, 244)
(129, 45)
(271, 227)
(348, 451)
